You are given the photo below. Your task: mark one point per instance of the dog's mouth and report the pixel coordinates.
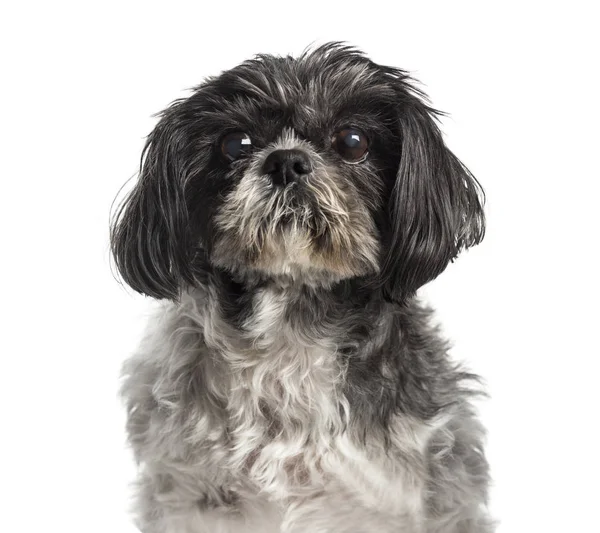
(304, 230)
(296, 206)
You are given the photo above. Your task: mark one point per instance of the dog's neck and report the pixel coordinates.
(305, 303)
(379, 346)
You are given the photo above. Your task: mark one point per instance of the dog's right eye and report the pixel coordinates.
(236, 144)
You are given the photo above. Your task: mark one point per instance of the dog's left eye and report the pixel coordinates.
(351, 143)
(236, 144)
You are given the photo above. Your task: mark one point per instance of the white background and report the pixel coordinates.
(80, 82)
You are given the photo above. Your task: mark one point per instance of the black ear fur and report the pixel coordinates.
(149, 233)
(436, 207)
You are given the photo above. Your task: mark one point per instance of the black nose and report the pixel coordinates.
(286, 166)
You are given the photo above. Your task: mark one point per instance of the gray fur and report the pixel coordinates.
(230, 422)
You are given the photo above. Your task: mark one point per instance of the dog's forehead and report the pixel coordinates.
(311, 89)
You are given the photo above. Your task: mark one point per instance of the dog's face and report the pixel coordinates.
(318, 169)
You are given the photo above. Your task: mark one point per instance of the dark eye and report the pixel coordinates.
(351, 144)
(235, 145)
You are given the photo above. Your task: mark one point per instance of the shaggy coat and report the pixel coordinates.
(291, 381)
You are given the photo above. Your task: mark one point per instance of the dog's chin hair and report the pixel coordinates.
(316, 231)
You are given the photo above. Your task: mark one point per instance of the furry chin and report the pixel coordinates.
(292, 257)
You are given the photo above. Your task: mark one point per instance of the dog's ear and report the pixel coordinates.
(436, 205)
(150, 229)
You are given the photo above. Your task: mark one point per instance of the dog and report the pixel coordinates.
(286, 213)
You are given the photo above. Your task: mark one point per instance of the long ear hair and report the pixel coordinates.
(436, 206)
(149, 230)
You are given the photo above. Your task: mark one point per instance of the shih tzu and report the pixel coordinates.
(288, 211)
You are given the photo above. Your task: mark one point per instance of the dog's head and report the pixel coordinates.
(319, 169)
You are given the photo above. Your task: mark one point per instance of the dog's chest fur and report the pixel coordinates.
(285, 407)
(284, 400)
(291, 426)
